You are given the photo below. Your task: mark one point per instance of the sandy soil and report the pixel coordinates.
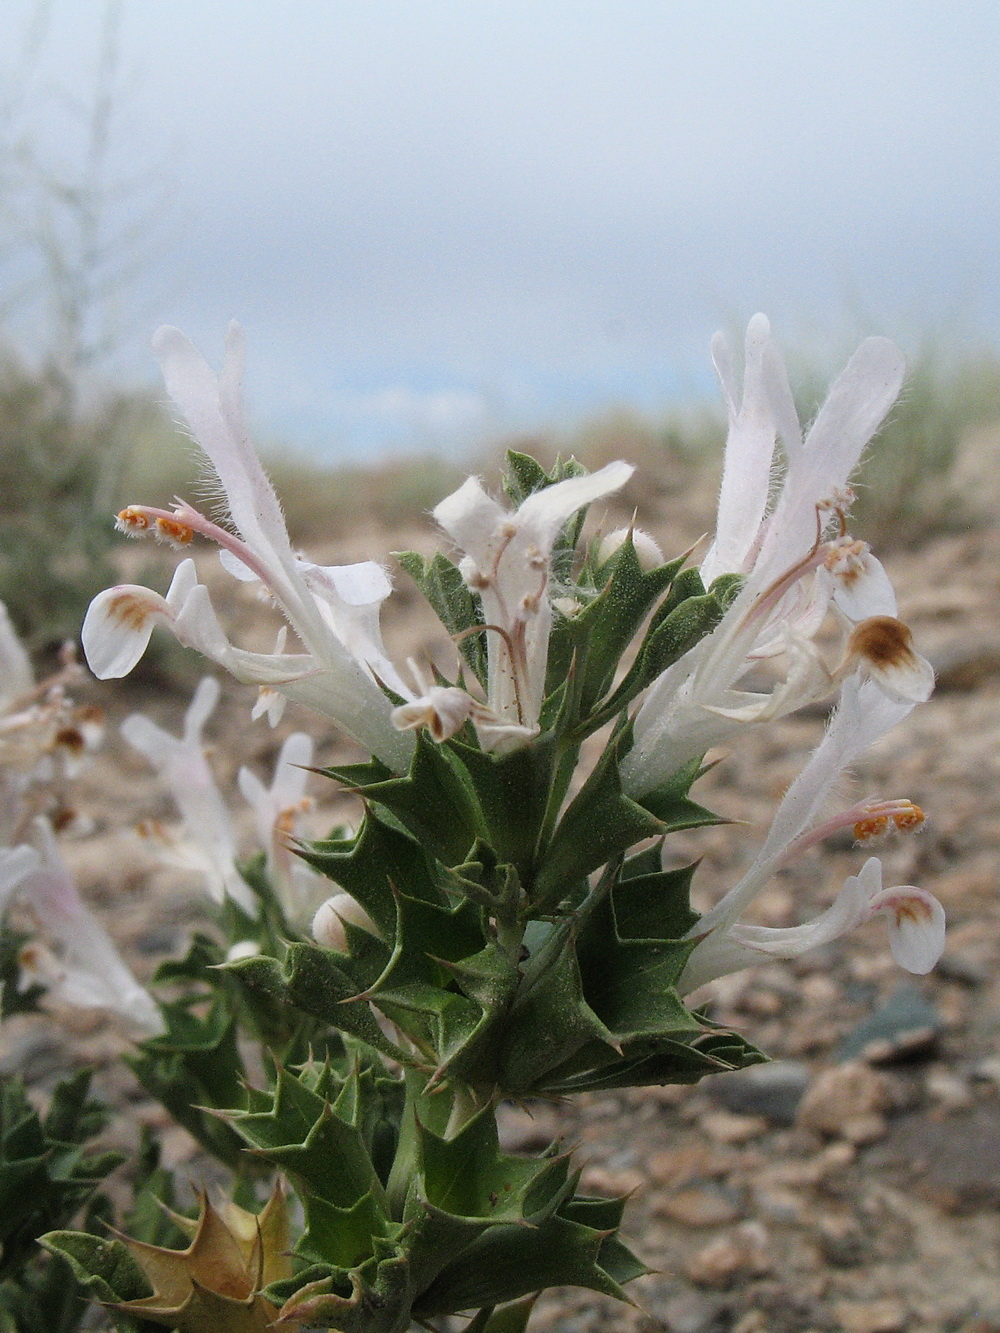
(855, 1184)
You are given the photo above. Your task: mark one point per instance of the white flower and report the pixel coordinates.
(333, 610)
(278, 812)
(88, 970)
(183, 767)
(794, 574)
(916, 919)
(506, 561)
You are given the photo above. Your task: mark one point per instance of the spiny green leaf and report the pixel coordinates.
(600, 823)
(595, 638)
(458, 610)
(509, 1262)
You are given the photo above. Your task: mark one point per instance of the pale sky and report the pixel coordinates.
(441, 219)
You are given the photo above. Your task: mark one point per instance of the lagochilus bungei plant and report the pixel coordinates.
(507, 921)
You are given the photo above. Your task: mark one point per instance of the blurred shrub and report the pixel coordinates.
(57, 469)
(323, 501)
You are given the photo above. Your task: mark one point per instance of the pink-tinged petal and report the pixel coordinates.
(212, 408)
(746, 475)
(916, 926)
(117, 628)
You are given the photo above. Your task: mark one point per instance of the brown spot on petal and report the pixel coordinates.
(883, 641)
(912, 909)
(129, 610)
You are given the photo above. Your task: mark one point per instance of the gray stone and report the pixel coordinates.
(905, 1028)
(771, 1090)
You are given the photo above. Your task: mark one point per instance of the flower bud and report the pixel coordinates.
(328, 923)
(647, 552)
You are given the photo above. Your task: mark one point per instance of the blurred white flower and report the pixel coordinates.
(210, 845)
(278, 812)
(87, 971)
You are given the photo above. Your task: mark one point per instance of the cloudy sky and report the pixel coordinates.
(442, 219)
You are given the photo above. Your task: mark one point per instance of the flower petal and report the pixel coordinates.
(16, 863)
(117, 628)
(543, 513)
(471, 518)
(857, 402)
(916, 926)
(746, 475)
(882, 647)
(212, 409)
(16, 675)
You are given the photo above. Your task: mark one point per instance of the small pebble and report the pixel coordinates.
(846, 1102)
(745, 1252)
(883, 1316)
(612, 1184)
(725, 1127)
(697, 1208)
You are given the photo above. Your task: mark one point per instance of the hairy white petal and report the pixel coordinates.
(746, 476)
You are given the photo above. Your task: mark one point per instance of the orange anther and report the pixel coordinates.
(908, 819)
(173, 531)
(133, 519)
(866, 829)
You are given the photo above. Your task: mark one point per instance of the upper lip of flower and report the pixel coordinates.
(506, 561)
